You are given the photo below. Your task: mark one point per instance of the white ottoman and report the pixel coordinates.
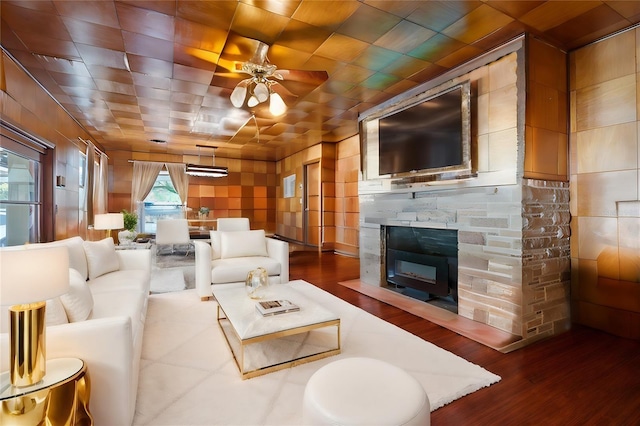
(364, 391)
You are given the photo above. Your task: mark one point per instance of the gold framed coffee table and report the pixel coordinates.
(261, 345)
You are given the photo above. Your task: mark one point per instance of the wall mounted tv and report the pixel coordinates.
(432, 136)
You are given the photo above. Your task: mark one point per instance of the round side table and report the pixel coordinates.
(61, 398)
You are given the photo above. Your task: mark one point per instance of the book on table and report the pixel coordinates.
(276, 307)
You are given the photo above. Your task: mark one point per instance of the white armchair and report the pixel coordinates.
(231, 255)
(173, 232)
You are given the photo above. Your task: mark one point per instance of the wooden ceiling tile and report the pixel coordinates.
(281, 7)
(151, 81)
(477, 24)
(26, 20)
(257, 23)
(628, 9)
(498, 37)
(376, 58)
(114, 87)
(351, 74)
(168, 7)
(325, 14)
(405, 66)
(64, 79)
(140, 44)
(218, 14)
(595, 23)
(515, 9)
(554, 13)
(379, 81)
(193, 75)
(435, 48)
(113, 74)
(105, 57)
(145, 21)
(301, 36)
(460, 56)
(287, 58)
(341, 48)
(63, 66)
(96, 12)
(120, 102)
(398, 8)
(50, 47)
(96, 35)
(195, 58)
(150, 66)
(438, 15)
(368, 24)
(193, 34)
(405, 37)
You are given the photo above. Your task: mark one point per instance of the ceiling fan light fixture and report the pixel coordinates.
(277, 106)
(253, 101)
(261, 91)
(238, 95)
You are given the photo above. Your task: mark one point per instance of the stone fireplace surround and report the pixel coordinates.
(513, 232)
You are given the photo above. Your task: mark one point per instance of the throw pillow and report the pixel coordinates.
(78, 301)
(55, 313)
(242, 243)
(101, 257)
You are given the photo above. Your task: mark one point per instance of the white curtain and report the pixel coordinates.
(90, 182)
(144, 176)
(180, 180)
(101, 197)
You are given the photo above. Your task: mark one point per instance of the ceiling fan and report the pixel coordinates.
(262, 85)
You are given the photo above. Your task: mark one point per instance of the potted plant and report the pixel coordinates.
(130, 222)
(204, 212)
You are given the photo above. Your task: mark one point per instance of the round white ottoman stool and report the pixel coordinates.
(364, 391)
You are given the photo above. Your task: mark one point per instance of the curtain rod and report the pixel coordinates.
(94, 146)
(155, 162)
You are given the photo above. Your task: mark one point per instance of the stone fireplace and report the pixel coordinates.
(422, 263)
(513, 251)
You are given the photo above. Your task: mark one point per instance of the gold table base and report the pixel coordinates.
(64, 403)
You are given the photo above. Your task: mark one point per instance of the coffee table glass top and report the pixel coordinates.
(248, 323)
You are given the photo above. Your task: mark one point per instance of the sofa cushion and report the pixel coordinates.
(55, 313)
(236, 269)
(101, 257)
(75, 245)
(121, 280)
(215, 244)
(78, 301)
(242, 244)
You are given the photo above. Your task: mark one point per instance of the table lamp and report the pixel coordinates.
(28, 277)
(108, 221)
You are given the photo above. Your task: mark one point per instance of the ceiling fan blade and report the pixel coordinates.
(282, 91)
(309, 77)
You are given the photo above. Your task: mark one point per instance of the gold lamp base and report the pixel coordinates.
(27, 343)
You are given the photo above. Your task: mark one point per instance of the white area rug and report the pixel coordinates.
(188, 375)
(167, 280)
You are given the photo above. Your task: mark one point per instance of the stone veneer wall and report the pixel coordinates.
(513, 249)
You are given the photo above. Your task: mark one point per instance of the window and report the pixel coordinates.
(162, 202)
(20, 199)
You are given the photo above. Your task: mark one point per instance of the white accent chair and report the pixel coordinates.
(173, 232)
(232, 224)
(231, 255)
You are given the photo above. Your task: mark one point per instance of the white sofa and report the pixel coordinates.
(109, 339)
(231, 255)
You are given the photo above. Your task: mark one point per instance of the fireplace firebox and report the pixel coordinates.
(423, 263)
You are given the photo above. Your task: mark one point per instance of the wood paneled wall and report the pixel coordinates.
(26, 105)
(546, 129)
(347, 207)
(248, 191)
(605, 184)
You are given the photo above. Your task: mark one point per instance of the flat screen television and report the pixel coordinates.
(428, 137)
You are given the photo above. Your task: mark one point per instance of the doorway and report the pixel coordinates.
(312, 208)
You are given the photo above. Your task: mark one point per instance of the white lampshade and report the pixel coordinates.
(109, 221)
(261, 92)
(276, 105)
(33, 275)
(238, 94)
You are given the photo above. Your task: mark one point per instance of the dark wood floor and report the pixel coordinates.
(581, 377)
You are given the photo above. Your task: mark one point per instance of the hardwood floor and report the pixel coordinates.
(581, 377)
